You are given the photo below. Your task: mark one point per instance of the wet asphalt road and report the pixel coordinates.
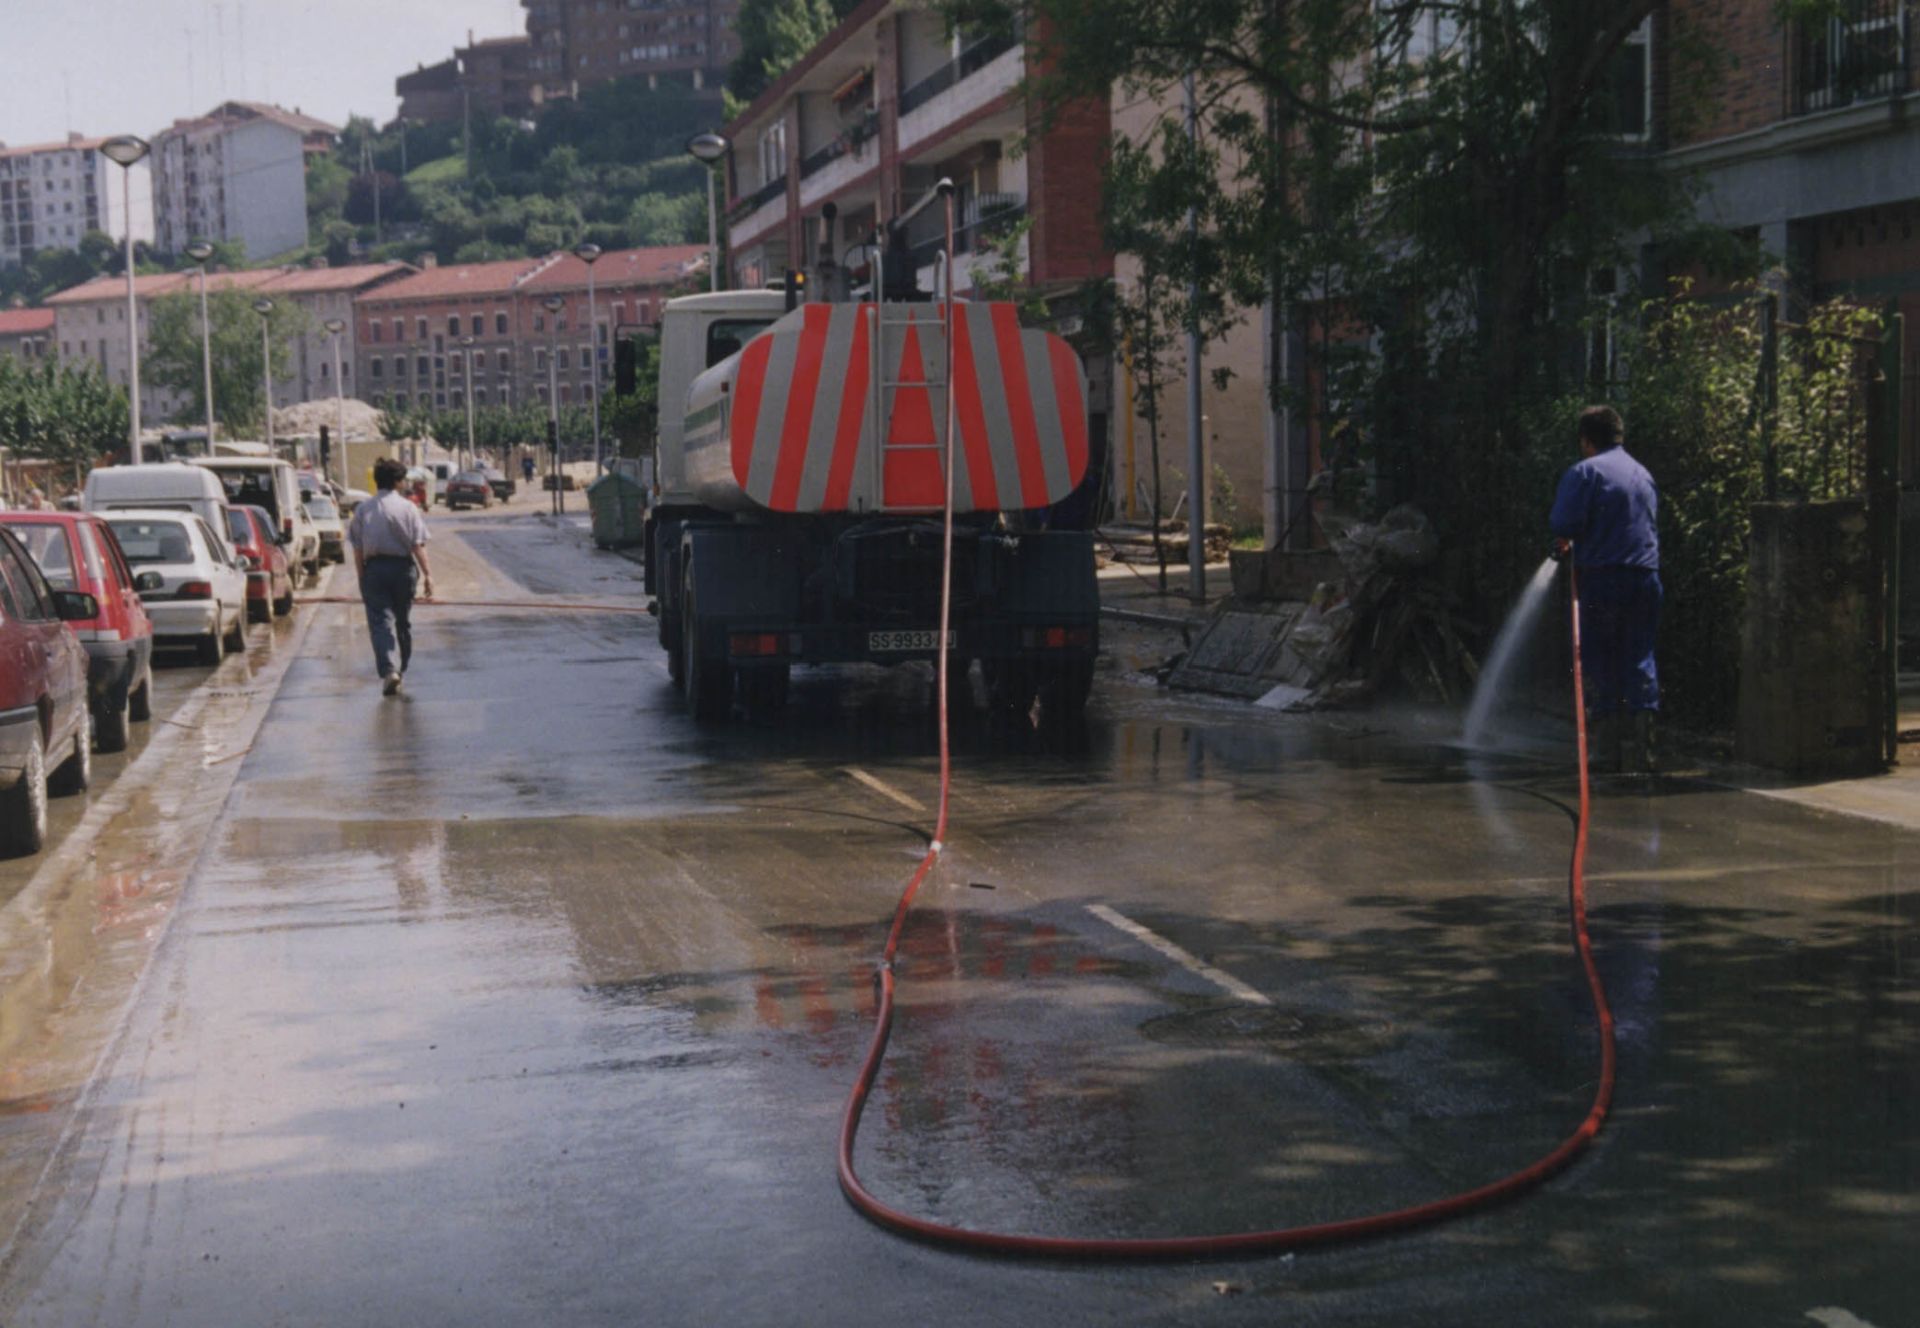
(522, 999)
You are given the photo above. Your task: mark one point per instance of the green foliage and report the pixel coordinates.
(774, 34)
(60, 412)
(174, 361)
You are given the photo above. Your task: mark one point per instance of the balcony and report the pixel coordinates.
(983, 220)
(1860, 54)
(976, 57)
(759, 210)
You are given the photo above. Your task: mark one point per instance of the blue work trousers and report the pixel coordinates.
(386, 587)
(1619, 617)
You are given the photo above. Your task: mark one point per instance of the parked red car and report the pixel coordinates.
(269, 570)
(77, 551)
(44, 720)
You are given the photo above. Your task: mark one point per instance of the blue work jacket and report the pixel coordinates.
(1606, 505)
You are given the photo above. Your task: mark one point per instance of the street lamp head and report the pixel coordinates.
(124, 149)
(263, 306)
(554, 304)
(333, 325)
(466, 341)
(708, 147)
(200, 250)
(586, 252)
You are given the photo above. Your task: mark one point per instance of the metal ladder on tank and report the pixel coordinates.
(886, 352)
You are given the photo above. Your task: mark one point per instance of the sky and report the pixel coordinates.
(103, 67)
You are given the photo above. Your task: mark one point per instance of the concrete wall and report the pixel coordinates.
(266, 189)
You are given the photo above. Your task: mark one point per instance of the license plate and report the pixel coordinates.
(883, 642)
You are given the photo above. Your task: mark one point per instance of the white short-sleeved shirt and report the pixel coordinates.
(387, 527)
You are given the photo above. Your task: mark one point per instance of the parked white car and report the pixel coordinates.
(202, 597)
(326, 520)
(274, 485)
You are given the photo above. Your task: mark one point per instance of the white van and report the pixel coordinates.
(172, 486)
(274, 485)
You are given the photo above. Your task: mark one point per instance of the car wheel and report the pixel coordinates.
(236, 639)
(207, 648)
(140, 703)
(258, 610)
(23, 808)
(284, 605)
(112, 726)
(76, 772)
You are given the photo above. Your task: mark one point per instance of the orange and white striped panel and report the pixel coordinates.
(802, 438)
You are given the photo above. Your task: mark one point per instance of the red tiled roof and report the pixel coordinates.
(21, 322)
(311, 280)
(457, 281)
(662, 265)
(115, 288)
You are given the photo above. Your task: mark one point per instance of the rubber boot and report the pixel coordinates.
(1640, 745)
(1603, 743)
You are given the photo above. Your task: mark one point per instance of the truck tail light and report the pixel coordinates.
(195, 590)
(1056, 638)
(761, 644)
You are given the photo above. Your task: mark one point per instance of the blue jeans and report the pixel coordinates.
(1619, 617)
(386, 587)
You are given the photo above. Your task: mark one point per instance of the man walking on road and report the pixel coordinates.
(389, 538)
(1606, 507)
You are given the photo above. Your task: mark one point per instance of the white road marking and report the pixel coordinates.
(1835, 1317)
(887, 790)
(1232, 985)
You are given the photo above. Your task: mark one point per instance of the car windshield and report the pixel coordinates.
(153, 541)
(321, 509)
(48, 545)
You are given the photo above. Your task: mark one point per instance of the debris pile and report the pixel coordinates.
(305, 418)
(1132, 542)
(1380, 622)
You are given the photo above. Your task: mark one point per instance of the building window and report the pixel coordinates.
(420, 367)
(453, 325)
(476, 325)
(539, 359)
(323, 368)
(562, 360)
(505, 363)
(399, 366)
(399, 400)
(419, 329)
(374, 329)
(399, 329)
(539, 322)
(500, 324)
(376, 366)
(480, 396)
(1628, 93)
(1858, 54)
(459, 399)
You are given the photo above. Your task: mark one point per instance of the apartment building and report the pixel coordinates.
(51, 194)
(578, 43)
(90, 324)
(416, 336)
(26, 334)
(236, 173)
(1810, 149)
(489, 77)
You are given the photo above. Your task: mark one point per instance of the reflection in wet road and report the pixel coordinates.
(521, 999)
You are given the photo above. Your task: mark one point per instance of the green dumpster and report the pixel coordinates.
(618, 504)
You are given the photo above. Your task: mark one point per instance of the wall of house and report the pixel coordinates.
(266, 189)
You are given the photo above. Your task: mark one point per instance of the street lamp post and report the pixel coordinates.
(123, 150)
(338, 326)
(587, 252)
(264, 307)
(708, 149)
(466, 345)
(200, 251)
(554, 304)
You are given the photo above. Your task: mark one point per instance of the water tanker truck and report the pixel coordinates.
(799, 486)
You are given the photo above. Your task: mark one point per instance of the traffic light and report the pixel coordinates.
(553, 436)
(626, 367)
(326, 448)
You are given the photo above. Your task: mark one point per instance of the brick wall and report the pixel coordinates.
(1750, 78)
(1065, 164)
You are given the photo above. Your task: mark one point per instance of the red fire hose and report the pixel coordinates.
(1244, 1242)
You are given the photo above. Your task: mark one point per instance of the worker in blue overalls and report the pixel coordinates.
(1606, 508)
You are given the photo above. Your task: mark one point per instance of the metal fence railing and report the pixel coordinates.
(1860, 53)
(971, 60)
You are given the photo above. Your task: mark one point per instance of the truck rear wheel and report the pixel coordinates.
(709, 681)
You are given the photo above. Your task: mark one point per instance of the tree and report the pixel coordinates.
(1425, 188)
(57, 412)
(775, 33)
(174, 358)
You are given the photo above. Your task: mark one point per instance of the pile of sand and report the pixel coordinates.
(305, 419)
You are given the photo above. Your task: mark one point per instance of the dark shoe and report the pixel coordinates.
(390, 686)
